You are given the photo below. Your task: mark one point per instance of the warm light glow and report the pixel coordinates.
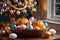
(45, 5)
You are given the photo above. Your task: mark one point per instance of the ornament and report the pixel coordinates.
(12, 35)
(30, 27)
(36, 28)
(34, 9)
(31, 0)
(2, 10)
(4, 5)
(35, 3)
(32, 5)
(46, 24)
(18, 12)
(13, 25)
(20, 3)
(14, 10)
(1, 13)
(53, 31)
(32, 18)
(15, 1)
(17, 8)
(24, 11)
(23, 27)
(7, 8)
(11, 11)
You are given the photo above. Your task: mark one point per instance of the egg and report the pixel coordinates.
(30, 27)
(18, 27)
(46, 24)
(2, 10)
(12, 35)
(23, 27)
(46, 34)
(13, 25)
(53, 31)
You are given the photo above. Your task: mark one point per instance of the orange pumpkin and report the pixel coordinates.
(18, 21)
(22, 21)
(38, 23)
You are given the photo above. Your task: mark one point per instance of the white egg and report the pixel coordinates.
(23, 27)
(53, 31)
(12, 35)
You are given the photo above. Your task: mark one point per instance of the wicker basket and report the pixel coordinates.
(27, 33)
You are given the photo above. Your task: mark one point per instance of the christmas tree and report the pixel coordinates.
(17, 8)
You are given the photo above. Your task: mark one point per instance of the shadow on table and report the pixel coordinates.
(57, 39)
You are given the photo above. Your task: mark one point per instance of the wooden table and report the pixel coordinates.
(56, 37)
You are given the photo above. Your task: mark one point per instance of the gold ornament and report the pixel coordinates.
(1, 13)
(31, 0)
(25, 6)
(16, 1)
(14, 10)
(7, 9)
(11, 11)
(34, 9)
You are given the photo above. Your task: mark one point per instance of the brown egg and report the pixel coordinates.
(8, 29)
(38, 23)
(46, 34)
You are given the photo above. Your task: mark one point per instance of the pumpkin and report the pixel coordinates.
(18, 21)
(21, 21)
(38, 23)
